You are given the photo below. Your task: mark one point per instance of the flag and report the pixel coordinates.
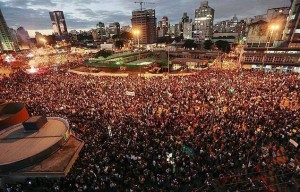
(66, 135)
(109, 131)
(231, 90)
(188, 150)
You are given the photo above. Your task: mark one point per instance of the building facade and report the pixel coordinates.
(113, 29)
(23, 38)
(227, 26)
(187, 30)
(204, 17)
(6, 39)
(291, 32)
(58, 23)
(145, 22)
(99, 33)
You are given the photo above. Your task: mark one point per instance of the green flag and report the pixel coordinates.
(188, 150)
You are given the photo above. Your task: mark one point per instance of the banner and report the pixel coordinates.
(293, 142)
(130, 93)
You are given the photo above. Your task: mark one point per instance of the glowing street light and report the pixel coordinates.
(136, 32)
(44, 41)
(273, 28)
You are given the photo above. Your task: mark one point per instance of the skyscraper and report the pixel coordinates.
(204, 17)
(114, 29)
(163, 27)
(100, 30)
(145, 22)
(291, 32)
(7, 42)
(23, 38)
(58, 23)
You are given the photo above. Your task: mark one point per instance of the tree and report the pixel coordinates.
(104, 53)
(208, 44)
(189, 44)
(223, 46)
(119, 44)
(126, 35)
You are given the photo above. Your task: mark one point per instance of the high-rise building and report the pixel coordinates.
(291, 32)
(99, 32)
(6, 39)
(165, 22)
(204, 17)
(186, 27)
(145, 22)
(227, 26)
(114, 29)
(163, 27)
(58, 23)
(187, 30)
(23, 38)
(185, 18)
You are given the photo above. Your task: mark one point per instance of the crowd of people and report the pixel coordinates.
(213, 130)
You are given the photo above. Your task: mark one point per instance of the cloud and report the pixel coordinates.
(34, 14)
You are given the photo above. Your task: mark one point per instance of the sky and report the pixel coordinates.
(33, 15)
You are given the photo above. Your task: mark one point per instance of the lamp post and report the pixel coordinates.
(168, 59)
(44, 41)
(273, 28)
(136, 33)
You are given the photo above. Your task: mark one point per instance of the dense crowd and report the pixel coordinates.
(217, 129)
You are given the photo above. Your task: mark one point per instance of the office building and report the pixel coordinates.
(58, 23)
(23, 38)
(291, 32)
(99, 33)
(113, 29)
(227, 26)
(145, 22)
(6, 39)
(187, 30)
(163, 27)
(204, 17)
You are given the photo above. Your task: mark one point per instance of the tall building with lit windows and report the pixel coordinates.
(58, 23)
(145, 22)
(204, 17)
(7, 42)
(291, 32)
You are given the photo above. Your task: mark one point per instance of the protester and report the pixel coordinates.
(214, 129)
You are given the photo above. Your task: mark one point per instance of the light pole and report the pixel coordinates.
(137, 32)
(44, 41)
(168, 59)
(273, 28)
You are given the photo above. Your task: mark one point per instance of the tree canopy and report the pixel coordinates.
(104, 53)
(208, 44)
(223, 46)
(189, 44)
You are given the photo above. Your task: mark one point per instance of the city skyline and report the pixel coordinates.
(33, 14)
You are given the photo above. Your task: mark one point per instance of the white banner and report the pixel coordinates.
(293, 142)
(130, 93)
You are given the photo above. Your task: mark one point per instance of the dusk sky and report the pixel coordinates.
(33, 15)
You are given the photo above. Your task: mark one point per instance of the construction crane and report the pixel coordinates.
(143, 2)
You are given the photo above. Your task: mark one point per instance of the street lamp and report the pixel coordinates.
(137, 33)
(44, 41)
(168, 59)
(273, 28)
